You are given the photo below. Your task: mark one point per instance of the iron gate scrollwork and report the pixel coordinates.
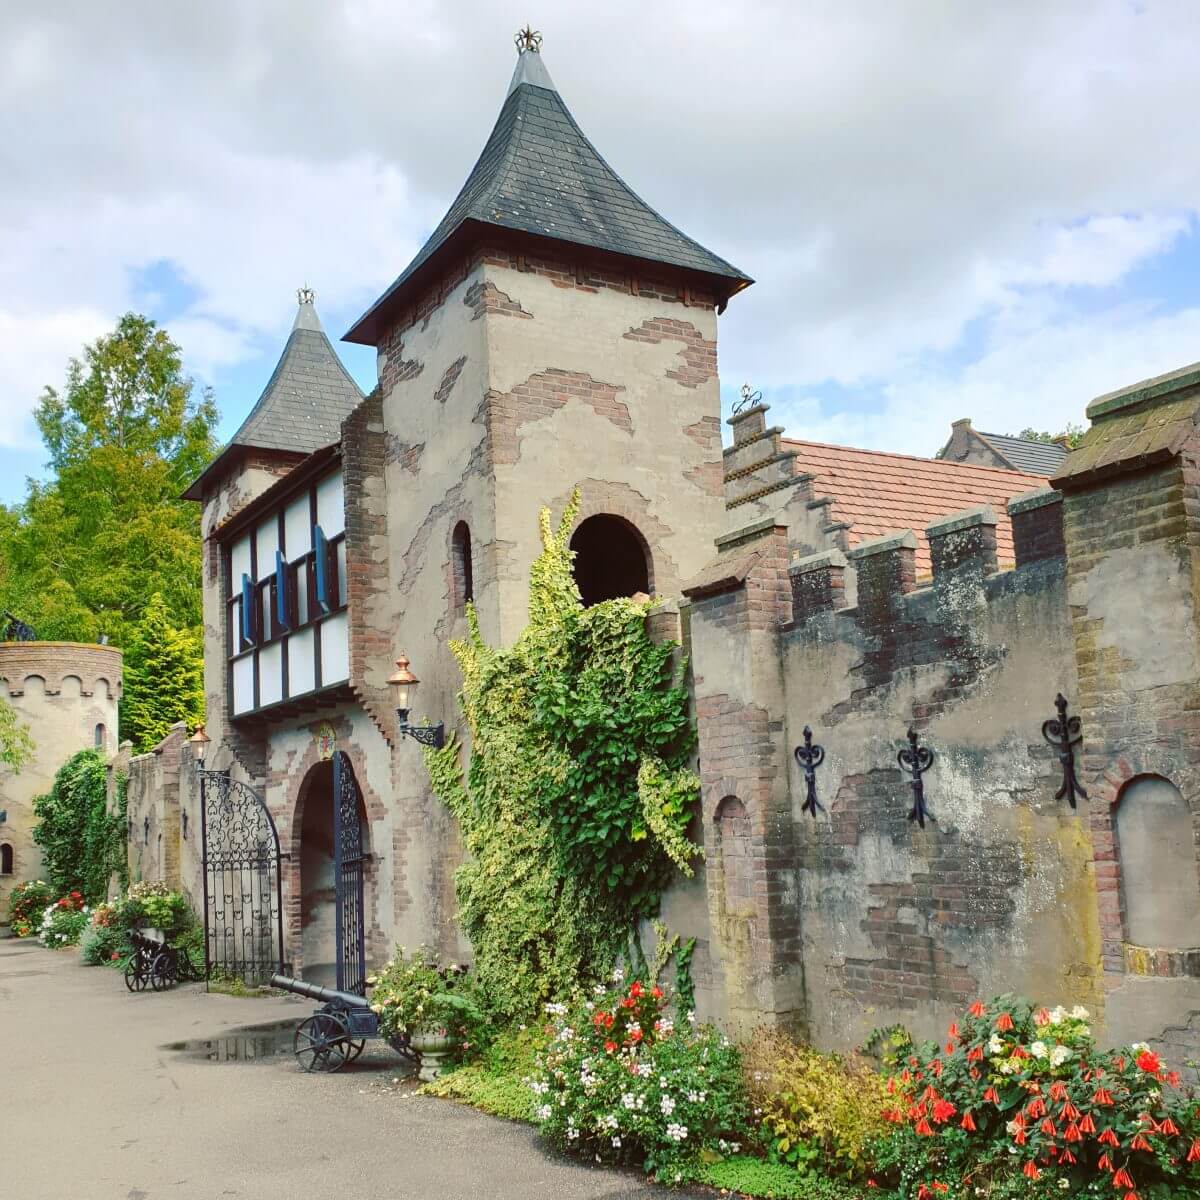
(349, 862)
(243, 885)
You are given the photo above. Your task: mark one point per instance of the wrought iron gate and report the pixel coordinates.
(243, 887)
(348, 864)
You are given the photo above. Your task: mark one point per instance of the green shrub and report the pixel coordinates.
(819, 1111)
(620, 1081)
(417, 993)
(499, 1082)
(27, 902)
(1023, 1102)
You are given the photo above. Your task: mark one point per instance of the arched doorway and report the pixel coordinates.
(611, 559)
(331, 924)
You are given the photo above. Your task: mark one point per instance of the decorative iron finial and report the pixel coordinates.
(749, 399)
(1064, 734)
(916, 760)
(810, 757)
(305, 295)
(528, 39)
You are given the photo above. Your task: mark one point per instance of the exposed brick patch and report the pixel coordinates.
(449, 379)
(698, 356)
(1038, 534)
(706, 432)
(541, 395)
(396, 369)
(365, 450)
(406, 454)
(484, 298)
(707, 477)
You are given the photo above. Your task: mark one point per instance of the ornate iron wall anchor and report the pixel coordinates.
(1064, 734)
(810, 757)
(916, 760)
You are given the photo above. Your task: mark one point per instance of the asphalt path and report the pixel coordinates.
(95, 1105)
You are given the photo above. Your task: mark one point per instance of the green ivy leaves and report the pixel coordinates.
(576, 802)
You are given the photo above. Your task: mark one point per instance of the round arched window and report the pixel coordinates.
(611, 559)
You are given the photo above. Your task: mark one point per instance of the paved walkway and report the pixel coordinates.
(95, 1108)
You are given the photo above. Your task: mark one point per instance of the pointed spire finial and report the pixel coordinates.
(528, 39)
(305, 295)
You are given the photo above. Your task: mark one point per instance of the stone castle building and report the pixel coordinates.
(556, 333)
(66, 693)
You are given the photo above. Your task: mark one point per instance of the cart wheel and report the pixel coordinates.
(399, 1043)
(354, 1049)
(135, 978)
(162, 974)
(320, 1043)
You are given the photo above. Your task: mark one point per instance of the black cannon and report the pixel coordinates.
(337, 1032)
(157, 964)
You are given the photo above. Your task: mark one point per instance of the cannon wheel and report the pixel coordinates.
(320, 1043)
(399, 1043)
(135, 975)
(354, 1049)
(162, 972)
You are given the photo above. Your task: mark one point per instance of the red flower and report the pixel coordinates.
(977, 1009)
(1070, 1112)
(1019, 1137)
(628, 1003)
(1139, 1142)
(1122, 1179)
(609, 1047)
(1066, 1157)
(943, 1110)
(1058, 1090)
(992, 1095)
(923, 1128)
(635, 989)
(1173, 1078)
(1168, 1128)
(1087, 1125)
(1041, 1017)
(892, 1114)
(1036, 1108)
(936, 1066)
(1148, 1061)
(1049, 1128)
(953, 1030)
(636, 1035)
(974, 1054)
(1004, 1023)
(967, 1123)
(1103, 1097)
(949, 1047)
(1030, 1169)
(1193, 1155)
(1108, 1138)
(656, 992)
(1104, 1162)
(598, 1019)
(1072, 1133)
(930, 1093)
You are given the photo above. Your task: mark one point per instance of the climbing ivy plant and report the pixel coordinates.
(576, 802)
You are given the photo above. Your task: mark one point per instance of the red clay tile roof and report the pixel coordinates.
(880, 493)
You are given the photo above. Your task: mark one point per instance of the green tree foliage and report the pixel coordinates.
(164, 678)
(16, 746)
(577, 799)
(125, 436)
(1072, 433)
(81, 843)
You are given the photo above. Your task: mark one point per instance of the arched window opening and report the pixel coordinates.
(99, 736)
(611, 559)
(733, 833)
(464, 576)
(1160, 885)
(6, 859)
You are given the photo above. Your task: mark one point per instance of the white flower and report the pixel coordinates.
(995, 1045)
(1012, 1127)
(692, 1017)
(616, 1143)
(618, 974)
(1063, 1184)
(572, 1134)
(543, 1113)
(1059, 1055)
(1039, 1049)
(1140, 1046)
(677, 1133)
(1058, 1015)
(667, 1105)
(609, 1121)
(1080, 1013)
(628, 1099)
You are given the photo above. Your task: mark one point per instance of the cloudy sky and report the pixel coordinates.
(951, 209)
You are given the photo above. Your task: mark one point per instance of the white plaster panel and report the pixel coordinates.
(267, 542)
(331, 509)
(239, 561)
(301, 676)
(243, 684)
(270, 674)
(297, 527)
(335, 650)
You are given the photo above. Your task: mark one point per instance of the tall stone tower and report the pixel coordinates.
(66, 693)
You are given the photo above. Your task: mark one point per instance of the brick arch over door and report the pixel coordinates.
(300, 774)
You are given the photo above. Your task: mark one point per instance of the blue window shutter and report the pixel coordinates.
(247, 609)
(322, 557)
(281, 591)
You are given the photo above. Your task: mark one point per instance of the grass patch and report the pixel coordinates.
(500, 1094)
(772, 1181)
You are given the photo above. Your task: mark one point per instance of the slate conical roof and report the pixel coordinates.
(305, 401)
(539, 174)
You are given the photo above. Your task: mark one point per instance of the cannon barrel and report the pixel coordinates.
(314, 991)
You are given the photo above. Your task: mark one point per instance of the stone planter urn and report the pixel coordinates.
(433, 1049)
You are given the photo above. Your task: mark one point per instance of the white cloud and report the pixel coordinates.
(894, 175)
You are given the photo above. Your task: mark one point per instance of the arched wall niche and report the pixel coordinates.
(1160, 882)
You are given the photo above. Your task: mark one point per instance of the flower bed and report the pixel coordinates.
(27, 902)
(63, 922)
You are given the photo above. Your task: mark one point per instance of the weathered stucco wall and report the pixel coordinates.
(66, 693)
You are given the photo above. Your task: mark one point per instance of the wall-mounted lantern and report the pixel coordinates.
(199, 742)
(404, 686)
